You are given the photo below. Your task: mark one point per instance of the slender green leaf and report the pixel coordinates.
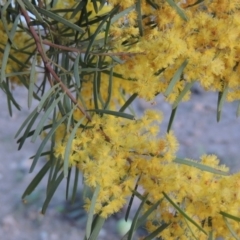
(122, 14)
(238, 109)
(114, 113)
(135, 219)
(176, 78)
(183, 213)
(4, 20)
(37, 179)
(91, 211)
(6, 88)
(76, 71)
(131, 199)
(178, 9)
(9, 101)
(27, 130)
(78, 8)
(7, 46)
(110, 85)
(13, 74)
(139, 18)
(95, 87)
(172, 116)
(144, 217)
(32, 132)
(69, 147)
(46, 95)
(99, 28)
(210, 235)
(32, 80)
(75, 184)
(154, 5)
(21, 4)
(51, 192)
(60, 19)
(182, 94)
(157, 231)
(4, 61)
(234, 234)
(128, 102)
(46, 115)
(30, 116)
(97, 226)
(33, 10)
(200, 166)
(95, 6)
(221, 100)
(68, 182)
(196, 3)
(45, 140)
(227, 215)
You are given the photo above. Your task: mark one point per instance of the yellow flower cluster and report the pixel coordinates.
(107, 152)
(209, 40)
(113, 152)
(18, 60)
(201, 195)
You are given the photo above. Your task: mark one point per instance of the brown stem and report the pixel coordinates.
(48, 68)
(77, 50)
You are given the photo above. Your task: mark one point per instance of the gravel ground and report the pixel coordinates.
(195, 126)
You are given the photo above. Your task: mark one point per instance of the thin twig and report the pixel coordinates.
(48, 68)
(77, 50)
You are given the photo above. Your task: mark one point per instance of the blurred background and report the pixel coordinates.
(195, 126)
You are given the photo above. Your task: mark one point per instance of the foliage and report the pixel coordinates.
(86, 62)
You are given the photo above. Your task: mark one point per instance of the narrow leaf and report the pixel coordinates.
(157, 231)
(45, 140)
(238, 109)
(75, 184)
(27, 130)
(144, 217)
(46, 95)
(60, 19)
(110, 85)
(227, 215)
(32, 80)
(183, 213)
(37, 179)
(139, 17)
(178, 9)
(91, 211)
(99, 28)
(182, 94)
(200, 166)
(221, 100)
(131, 199)
(25, 122)
(135, 219)
(51, 192)
(172, 116)
(76, 71)
(176, 78)
(234, 234)
(46, 115)
(114, 113)
(97, 226)
(69, 146)
(128, 102)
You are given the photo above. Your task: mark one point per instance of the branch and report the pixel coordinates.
(77, 50)
(48, 68)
